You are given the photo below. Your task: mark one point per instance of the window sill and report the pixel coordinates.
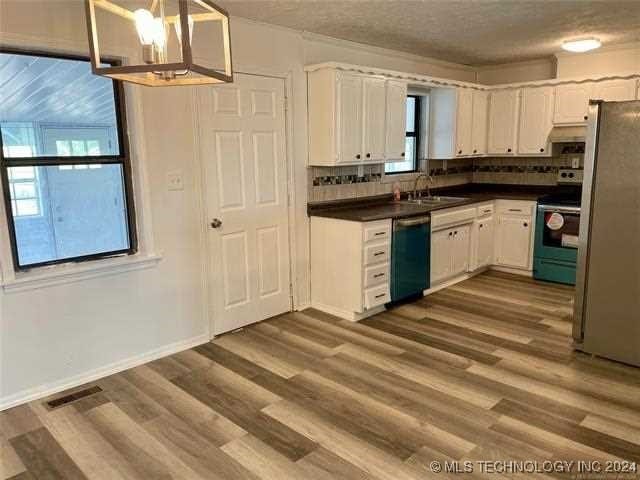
(400, 177)
(62, 274)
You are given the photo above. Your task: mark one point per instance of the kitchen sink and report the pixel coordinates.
(434, 201)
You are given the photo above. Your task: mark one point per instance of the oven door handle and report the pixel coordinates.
(549, 208)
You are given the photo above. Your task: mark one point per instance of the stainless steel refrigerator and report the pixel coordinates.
(607, 307)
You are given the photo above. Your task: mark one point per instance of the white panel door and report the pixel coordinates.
(461, 249)
(503, 120)
(484, 249)
(513, 242)
(536, 121)
(349, 128)
(464, 117)
(441, 252)
(479, 123)
(396, 121)
(572, 103)
(374, 108)
(242, 138)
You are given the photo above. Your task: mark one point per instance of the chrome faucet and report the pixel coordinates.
(415, 185)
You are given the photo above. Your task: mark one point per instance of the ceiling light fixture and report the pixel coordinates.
(583, 45)
(162, 54)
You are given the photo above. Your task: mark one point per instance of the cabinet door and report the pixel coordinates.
(396, 121)
(503, 119)
(375, 98)
(349, 126)
(479, 123)
(513, 242)
(464, 118)
(614, 90)
(461, 249)
(441, 253)
(536, 121)
(484, 247)
(572, 103)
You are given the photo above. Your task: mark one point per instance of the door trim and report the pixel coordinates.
(201, 192)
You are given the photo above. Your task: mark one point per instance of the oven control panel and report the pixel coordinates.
(570, 175)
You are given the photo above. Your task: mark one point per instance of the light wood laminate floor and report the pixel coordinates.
(481, 371)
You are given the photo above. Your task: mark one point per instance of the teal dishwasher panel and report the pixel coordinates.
(410, 263)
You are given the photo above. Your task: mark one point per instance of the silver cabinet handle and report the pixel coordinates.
(216, 223)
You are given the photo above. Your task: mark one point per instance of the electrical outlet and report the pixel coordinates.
(575, 162)
(175, 180)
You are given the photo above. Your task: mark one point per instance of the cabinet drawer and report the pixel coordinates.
(376, 253)
(376, 296)
(516, 207)
(455, 217)
(376, 275)
(377, 231)
(485, 210)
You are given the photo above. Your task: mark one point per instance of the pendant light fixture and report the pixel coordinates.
(173, 42)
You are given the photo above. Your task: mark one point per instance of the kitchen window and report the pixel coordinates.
(64, 161)
(412, 140)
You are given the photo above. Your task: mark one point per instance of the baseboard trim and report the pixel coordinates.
(454, 280)
(32, 394)
(345, 314)
(515, 271)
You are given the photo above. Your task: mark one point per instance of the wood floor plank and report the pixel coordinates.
(483, 370)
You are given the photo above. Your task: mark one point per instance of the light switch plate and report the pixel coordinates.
(175, 180)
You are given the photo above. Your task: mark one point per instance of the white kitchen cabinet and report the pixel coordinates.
(614, 90)
(536, 121)
(514, 234)
(485, 242)
(479, 123)
(374, 108)
(461, 242)
(350, 266)
(464, 122)
(347, 118)
(572, 103)
(503, 121)
(396, 124)
(441, 254)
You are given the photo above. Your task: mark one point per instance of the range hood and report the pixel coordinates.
(568, 134)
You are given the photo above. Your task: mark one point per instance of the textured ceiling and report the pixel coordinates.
(475, 32)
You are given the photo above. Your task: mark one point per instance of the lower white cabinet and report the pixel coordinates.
(514, 234)
(450, 250)
(350, 266)
(484, 231)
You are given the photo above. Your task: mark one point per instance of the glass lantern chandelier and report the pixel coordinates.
(173, 42)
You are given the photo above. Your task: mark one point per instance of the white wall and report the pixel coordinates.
(54, 336)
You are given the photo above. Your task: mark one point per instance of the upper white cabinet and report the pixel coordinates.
(374, 106)
(354, 119)
(396, 120)
(614, 90)
(572, 103)
(503, 121)
(464, 121)
(479, 123)
(536, 121)
(458, 122)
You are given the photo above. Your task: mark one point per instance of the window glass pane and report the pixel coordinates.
(55, 107)
(411, 114)
(24, 190)
(74, 213)
(408, 165)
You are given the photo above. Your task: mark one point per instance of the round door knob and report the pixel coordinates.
(402, 154)
(358, 156)
(541, 150)
(586, 117)
(509, 150)
(450, 234)
(459, 152)
(480, 225)
(475, 151)
(216, 223)
(368, 155)
(526, 224)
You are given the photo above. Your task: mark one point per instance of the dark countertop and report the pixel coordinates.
(382, 206)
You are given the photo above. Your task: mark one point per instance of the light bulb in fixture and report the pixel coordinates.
(583, 45)
(144, 25)
(159, 33)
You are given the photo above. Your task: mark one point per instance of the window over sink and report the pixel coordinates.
(64, 161)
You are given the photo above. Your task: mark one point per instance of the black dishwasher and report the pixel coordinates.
(410, 252)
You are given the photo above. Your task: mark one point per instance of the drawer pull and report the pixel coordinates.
(380, 295)
(378, 254)
(380, 233)
(515, 209)
(378, 275)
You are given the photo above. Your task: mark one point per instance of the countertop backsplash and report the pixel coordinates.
(336, 183)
